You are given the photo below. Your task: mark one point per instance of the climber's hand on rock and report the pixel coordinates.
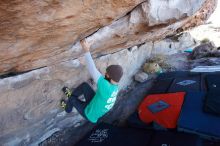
(85, 45)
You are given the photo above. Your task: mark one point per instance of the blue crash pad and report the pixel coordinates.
(192, 118)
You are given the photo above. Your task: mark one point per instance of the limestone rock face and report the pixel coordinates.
(35, 34)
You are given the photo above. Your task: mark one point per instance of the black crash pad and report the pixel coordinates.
(210, 143)
(176, 74)
(135, 122)
(213, 82)
(108, 135)
(186, 84)
(212, 102)
(166, 138)
(161, 86)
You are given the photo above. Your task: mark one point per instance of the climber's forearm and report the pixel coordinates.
(91, 67)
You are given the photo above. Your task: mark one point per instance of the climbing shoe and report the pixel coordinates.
(63, 104)
(67, 92)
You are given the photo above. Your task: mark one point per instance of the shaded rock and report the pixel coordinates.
(141, 77)
(216, 53)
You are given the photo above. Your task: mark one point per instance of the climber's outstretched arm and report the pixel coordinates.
(89, 62)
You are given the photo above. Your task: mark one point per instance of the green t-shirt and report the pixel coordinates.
(103, 100)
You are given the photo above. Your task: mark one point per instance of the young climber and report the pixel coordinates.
(97, 103)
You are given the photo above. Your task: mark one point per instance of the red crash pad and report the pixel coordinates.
(164, 109)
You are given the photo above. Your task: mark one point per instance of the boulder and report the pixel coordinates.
(141, 77)
(43, 33)
(203, 50)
